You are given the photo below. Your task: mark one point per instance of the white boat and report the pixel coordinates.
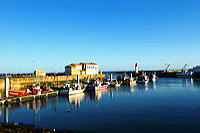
(76, 98)
(71, 89)
(72, 92)
(152, 78)
(117, 85)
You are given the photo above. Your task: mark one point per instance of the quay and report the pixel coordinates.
(19, 83)
(158, 73)
(22, 85)
(19, 99)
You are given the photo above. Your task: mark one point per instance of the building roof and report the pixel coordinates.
(91, 63)
(78, 64)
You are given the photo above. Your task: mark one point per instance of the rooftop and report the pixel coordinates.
(82, 63)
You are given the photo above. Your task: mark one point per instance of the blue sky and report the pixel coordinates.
(113, 33)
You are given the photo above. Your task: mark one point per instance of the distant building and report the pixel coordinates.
(82, 69)
(40, 73)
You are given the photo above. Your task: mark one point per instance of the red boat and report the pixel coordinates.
(102, 87)
(18, 93)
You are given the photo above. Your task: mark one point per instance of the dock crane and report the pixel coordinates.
(167, 67)
(184, 67)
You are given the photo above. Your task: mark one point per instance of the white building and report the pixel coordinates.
(82, 69)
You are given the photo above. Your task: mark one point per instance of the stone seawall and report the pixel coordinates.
(21, 83)
(2, 84)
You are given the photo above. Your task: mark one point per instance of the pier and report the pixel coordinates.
(159, 73)
(19, 99)
(22, 84)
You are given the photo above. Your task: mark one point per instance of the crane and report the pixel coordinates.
(184, 67)
(167, 67)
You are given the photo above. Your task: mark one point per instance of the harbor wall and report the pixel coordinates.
(2, 84)
(22, 83)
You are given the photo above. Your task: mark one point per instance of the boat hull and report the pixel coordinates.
(18, 93)
(72, 92)
(103, 87)
(117, 85)
(186, 76)
(95, 88)
(133, 83)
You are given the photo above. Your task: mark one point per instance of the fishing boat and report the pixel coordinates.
(72, 92)
(130, 82)
(185, 74)
(143, 79)
(101, 86)
(97, 86)
(152, 78)
(71, 89)
(18, 93)
(115, 83)
(76, 98)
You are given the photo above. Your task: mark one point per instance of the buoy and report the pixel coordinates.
(68, 110)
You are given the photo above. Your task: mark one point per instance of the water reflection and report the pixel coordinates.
(146, 86)
(196, 82)
(76, 99)
(187, 82)
(152, 85)
(190, 82)
(73, 102)
(67, 111)
(35, 106)
(96, 95)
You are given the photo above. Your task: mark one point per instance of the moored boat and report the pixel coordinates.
(72, 92)
(130, 82)
(97, 86)
(71, 89)
(187, 74)
(102, 86)
(115, 83)
(143, 79)
(152, 78)
(18, 93)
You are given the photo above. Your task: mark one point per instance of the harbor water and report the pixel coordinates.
(168, 105)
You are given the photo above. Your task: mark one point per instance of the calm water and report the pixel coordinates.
(169, 105)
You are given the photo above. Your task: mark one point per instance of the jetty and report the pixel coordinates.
(19, 99)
